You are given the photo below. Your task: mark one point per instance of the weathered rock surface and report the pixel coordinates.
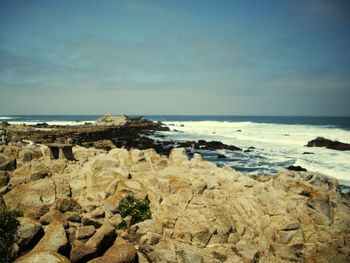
(54, 240)
(121, 252)
(85, 232)
(7, 163)
(27, 230)
(200, 212)
(42, 257)
(33, 198)
(334, 145)
(95, 246)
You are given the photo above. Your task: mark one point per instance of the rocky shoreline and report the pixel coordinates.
(198, 212)
(107, 133)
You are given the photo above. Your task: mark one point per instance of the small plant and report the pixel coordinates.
(137, 209)
(8, 228)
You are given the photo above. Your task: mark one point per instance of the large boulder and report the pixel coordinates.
(34, 199)
(29, 171)
(95, 246)
(112, 120)
(54, 240)
(121, 252)
(27, 230)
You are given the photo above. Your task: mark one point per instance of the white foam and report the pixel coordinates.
(278, 142)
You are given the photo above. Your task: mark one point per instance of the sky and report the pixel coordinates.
(281, 57)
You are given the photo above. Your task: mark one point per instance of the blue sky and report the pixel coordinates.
(175, 57)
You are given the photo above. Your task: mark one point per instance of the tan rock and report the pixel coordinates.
(98, 213)
(72, 216)
(53, 216)
(112, 120)
(320, 202)
(102, 238)
(85, 232)
(27, 230)
(54, 240)
(121, 252)
(47, 257)
(112, 203)
(81, 252)
(200, 212)
(65, 204)
(27, 201)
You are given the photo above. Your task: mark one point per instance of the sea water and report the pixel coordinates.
(269, 144)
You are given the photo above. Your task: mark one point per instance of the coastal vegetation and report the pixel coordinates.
(8, 228)
(137, 209)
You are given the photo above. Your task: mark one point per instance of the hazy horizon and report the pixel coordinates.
(180, 115)
(232, 58)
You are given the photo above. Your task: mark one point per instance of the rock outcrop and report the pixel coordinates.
(200, 212)
(334, 145)
(112, 120)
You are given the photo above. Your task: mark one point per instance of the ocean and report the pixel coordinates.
(270, 143)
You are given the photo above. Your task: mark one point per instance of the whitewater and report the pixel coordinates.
(269, 147)
(270, 144)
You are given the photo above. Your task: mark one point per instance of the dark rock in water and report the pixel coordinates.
(182, 125)
(215, 145)
(5, 123)
(334, 145)
(286, 134)
(247, 151)
(296, 168)
(221, 156)
(239, 131)
(251, 148)
(308, 153)
(41, 125)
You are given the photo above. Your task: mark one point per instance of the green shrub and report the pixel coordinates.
(8, 228)
(137, 209)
